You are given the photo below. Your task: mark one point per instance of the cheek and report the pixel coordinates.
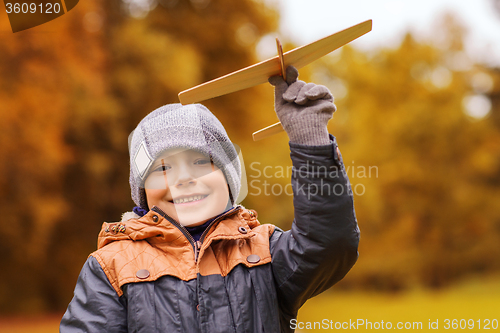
(153, 196)
(219, 185)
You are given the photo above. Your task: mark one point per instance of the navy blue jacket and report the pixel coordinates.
(148, 276)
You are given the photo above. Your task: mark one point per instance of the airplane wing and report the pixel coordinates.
(259, 73)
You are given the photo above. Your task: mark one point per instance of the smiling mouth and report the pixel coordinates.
(190, 199)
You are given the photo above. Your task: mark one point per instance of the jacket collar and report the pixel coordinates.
(157, 228)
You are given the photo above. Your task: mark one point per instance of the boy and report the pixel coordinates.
(188, 259)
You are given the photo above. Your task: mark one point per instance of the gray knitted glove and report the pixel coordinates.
(303, 109)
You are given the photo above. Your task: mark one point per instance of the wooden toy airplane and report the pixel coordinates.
(259, 73)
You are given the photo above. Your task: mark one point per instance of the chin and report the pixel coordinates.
(194, 218)
(192, 215)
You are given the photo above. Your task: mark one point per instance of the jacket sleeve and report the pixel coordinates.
(321, 246)
(95, 306)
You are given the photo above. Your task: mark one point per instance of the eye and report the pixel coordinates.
(202, 161)
(162, 168)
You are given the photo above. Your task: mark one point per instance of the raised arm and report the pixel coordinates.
(322, 245)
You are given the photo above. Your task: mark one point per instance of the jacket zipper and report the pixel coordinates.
(204, 234)
(195, 244)
(202, 237)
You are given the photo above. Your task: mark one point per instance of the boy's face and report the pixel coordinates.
(187, 187)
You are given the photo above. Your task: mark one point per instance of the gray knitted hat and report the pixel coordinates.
(180, 126)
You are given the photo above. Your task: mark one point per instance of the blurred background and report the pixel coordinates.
(418, 125)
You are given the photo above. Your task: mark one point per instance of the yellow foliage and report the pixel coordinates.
(424, 166)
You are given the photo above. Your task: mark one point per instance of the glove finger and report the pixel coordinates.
(328, 108)
(292, 74)
(302, 96)
(276, 80)
(293, 91)
(280, 87)
(319, 92)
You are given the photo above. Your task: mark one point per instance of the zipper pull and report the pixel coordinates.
(197, 247)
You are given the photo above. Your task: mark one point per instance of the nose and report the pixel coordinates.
(185, 176)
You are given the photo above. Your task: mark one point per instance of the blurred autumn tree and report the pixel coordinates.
(71, 92)
(420, 135)
(422, 114)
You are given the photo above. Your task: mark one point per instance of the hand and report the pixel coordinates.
(303, 109)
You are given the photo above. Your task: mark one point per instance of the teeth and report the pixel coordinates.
(189, 199)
